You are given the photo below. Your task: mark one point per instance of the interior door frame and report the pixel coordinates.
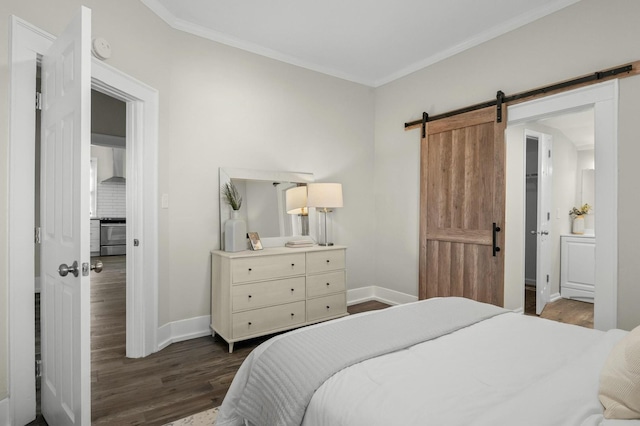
(27, 44)
(603, 97)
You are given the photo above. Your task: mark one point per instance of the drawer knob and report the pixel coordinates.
(249, 323)
(292, 290)
(249, 269)
(249, 296)
(328, 284)
(328, 307)
(293, 264)
(292, 314)
(328, 261)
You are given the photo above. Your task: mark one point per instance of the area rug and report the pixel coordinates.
(205, 418)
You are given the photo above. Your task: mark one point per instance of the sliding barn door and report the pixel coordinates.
(462, 207)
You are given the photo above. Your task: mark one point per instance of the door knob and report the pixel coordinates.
(64, 270)
(97, 267)
(545, 233)
(533, 232)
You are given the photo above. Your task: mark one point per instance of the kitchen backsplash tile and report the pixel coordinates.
(112, 200)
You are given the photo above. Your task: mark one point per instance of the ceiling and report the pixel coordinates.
(369, 42)
(577, 126)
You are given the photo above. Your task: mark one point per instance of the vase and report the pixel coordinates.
(578, 225)
(235, 233)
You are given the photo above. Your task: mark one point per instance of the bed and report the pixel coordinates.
(445, 361)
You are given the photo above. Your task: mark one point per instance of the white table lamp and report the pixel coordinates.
(324, 197)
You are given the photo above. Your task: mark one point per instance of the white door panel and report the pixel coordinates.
(66, 88)
(545, 201)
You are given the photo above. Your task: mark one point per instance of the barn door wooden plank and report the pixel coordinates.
(461, 197)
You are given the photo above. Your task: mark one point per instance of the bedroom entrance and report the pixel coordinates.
(29, 44)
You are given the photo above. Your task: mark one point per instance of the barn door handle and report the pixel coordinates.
(496, 229)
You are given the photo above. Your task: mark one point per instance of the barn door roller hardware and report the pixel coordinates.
(501, 99)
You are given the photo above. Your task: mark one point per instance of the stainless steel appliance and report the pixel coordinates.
(113, 236)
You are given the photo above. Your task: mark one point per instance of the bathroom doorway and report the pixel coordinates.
(559, 161)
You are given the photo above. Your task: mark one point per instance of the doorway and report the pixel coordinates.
(28, 44)
(548, 226)
(601, 100)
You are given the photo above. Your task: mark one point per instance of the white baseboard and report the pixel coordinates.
(4, 412)
(178, 331)
(554, 297)
(381, 294)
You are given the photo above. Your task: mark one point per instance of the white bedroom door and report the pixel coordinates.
(66, 114)
(545, 205)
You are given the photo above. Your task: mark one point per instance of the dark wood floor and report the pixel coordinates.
(563, 310)
(182, 379)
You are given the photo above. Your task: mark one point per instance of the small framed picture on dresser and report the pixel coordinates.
(254, 238)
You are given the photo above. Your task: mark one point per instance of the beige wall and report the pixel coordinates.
(583, 38)
(628, 205)
(219, 107)
(223, 107)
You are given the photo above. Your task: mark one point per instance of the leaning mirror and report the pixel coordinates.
(264, 204)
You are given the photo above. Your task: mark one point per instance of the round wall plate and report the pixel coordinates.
(101, 48)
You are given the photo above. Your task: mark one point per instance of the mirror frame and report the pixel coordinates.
(226, 174)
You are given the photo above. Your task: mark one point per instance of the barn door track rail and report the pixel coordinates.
(620, 71)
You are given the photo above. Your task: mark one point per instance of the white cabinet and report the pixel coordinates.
(254, 293)
(94, 237)
(577, 267)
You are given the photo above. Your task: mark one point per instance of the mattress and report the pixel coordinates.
(506, 370)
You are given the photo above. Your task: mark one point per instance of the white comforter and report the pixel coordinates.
(507, 370)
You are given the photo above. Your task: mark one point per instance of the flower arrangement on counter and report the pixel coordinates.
(584, 209)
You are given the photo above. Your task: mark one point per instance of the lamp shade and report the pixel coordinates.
(296, 200)
(325, 195)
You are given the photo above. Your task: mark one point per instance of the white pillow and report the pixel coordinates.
(620, 379)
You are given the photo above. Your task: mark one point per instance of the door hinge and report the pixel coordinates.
(38, 101)
(38, 368)
(549, 153)
(37, 235)
(548, 215)
(547, 278)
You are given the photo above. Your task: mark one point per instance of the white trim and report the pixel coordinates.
(380, 294)
(142, 199)
(26, 43)
(186, 329)
(4, 412)
(555, 297)
(201, 31)
(604, 98)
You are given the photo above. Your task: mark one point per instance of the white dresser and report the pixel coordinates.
(577, 267)
(254, 293)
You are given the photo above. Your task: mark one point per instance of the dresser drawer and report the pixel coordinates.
(265, 319)
(323, 284)
(324, 261)
(327, 306)
(258, 295)
(267, 267)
